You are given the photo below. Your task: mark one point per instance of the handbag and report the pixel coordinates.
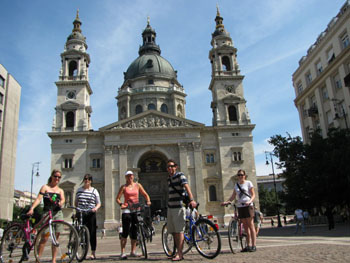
(185, 198)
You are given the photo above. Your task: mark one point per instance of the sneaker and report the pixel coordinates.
(252, 249)
(246, 249)
(123, 256)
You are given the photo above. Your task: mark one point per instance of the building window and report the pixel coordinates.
(330, 55)
(164, 108)
(345, 40)
(68, 163)
(237, 155)
(337, 82)
(304, 110)
(308, 78)
(300, 88)
(319, 68)
(2, 82)
(138, 109)
(212, 193)
(70, 119)
(1, 98)
(232, 113)
(73, 69)
(150, 81)
(226, 63)
(151, 106)
(210, 158)
(96, 163)
(325, 93)
(0, 115)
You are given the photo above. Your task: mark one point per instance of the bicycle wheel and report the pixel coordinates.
(84, 241)
(142, 241)
(206, 238)
(168, 242)
(12, 243)
(242, 236)
(61, 242)
(233, 236)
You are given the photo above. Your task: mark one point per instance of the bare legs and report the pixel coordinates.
(179, 242)
(250, 230)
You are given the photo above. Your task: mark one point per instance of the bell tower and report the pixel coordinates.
(73, 110)
(228, 103)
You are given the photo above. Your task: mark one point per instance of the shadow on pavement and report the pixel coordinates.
(341, 230)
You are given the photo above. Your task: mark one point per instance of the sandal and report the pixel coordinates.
(92, 257)
(177, 258)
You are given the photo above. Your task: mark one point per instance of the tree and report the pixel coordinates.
(316, 174)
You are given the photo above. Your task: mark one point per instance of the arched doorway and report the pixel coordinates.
(153, 177)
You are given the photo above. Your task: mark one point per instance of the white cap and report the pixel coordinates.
(128, 173)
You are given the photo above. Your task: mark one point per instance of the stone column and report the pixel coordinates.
(183, 158)
(199, 191)
(110, 221)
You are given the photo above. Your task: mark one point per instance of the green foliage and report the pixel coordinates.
(267, 200)
(316, 174)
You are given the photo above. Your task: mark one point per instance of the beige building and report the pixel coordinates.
(10, 94)
(322, 80)
(22, 199)
(152, 128)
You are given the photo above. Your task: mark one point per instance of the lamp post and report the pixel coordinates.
(339, 102)
(274, 184)
(35, 166)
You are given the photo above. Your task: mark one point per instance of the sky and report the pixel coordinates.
(271, 36)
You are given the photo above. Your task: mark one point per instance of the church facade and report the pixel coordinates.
(152, 128)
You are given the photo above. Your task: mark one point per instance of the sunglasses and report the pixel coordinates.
(57, 176)
(171, 166)
(87, 179)
(240, 174)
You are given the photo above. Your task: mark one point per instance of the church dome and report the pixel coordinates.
(76, 36)
(150, 64)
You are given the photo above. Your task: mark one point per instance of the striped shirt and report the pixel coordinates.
(178, 180)
(87, 198)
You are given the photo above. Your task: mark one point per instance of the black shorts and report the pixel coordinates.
(129, 222)
(246, 212)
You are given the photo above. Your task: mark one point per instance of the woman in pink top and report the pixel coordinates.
(131, 192)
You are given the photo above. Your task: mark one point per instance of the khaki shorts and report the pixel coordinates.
(176, 220)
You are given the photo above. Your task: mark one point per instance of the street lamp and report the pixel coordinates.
(274, 184)
(339, 102)
(34, 166)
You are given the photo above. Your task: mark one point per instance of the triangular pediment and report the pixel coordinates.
(67, 184)
(69, 105)
(151, 119)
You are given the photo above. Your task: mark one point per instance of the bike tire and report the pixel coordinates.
(84, 242)
(12, 242)
(66, 237)
(188, 243)
(168, 242)
(233, 237)
(142, 241)
(206, 238)
(242, 237)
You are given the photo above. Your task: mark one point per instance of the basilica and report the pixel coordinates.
(151, 128)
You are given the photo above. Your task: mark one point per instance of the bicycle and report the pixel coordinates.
(53, 236)
(144, 232)
(201, 233)
(83, 233)
(237, 237)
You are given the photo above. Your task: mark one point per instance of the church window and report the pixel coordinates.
(1, 98)
(164, 108)
(212, 193)
(226, 63)
(151, 106)
(237, 155)
(138, 109)
(70, 119)
(67, 162)
(123, 113)
(179, 111)
(209, 158)
(0, 115)
(2, 82)
(73, 68)
(232, 113)
(150, 81)
(149, 63)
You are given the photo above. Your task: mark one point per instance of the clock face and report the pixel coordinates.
(230, 89)
(71, 95)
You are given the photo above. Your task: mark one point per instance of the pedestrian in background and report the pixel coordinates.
(258, 220)
(299, 220)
